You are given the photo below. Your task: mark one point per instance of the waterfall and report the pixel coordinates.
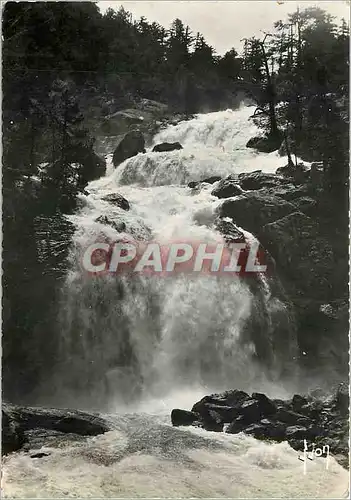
(126, 339)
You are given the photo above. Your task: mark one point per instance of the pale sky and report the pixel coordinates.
(223, 23)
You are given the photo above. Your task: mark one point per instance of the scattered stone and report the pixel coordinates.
(119, 226)
(166, 147)
(40, 455)
(208, 180)
(117, 199)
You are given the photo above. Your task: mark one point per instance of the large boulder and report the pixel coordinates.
(228, 398)
(20, 423)
(132, 143)
(166, 147)
(253, 210)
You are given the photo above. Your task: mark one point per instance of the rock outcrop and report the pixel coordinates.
(322, 421)
(253, 210)
(301, 253)
(132, 143)
(294, 224)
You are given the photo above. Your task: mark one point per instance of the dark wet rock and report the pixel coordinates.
(212, 422)
(227, 188)
(265, 144)
(117, 199)
(272, 429)
(228, 398)
(166, 147)
(266, 405)
(251, 411)
(226, 413)
(229, 230)
(237, 425)
(289, 417)
(132, 143)
(119, 226)
(298, 402)
(18, 422)
(212, 180)
(183, 417)
(253, 210)
(266, 430)
(40, 455)
(296, 432)
(208, 180)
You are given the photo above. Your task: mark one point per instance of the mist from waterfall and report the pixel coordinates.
(127, 341)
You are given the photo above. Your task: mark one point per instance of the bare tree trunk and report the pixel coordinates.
(270, 90)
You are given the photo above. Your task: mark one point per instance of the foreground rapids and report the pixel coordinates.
(143, 456)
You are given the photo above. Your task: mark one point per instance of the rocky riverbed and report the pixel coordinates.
(313, 420)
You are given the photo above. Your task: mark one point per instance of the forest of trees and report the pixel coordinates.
(58, 55)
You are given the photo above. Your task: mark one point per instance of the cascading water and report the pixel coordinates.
(132, 339)
(154, 343)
